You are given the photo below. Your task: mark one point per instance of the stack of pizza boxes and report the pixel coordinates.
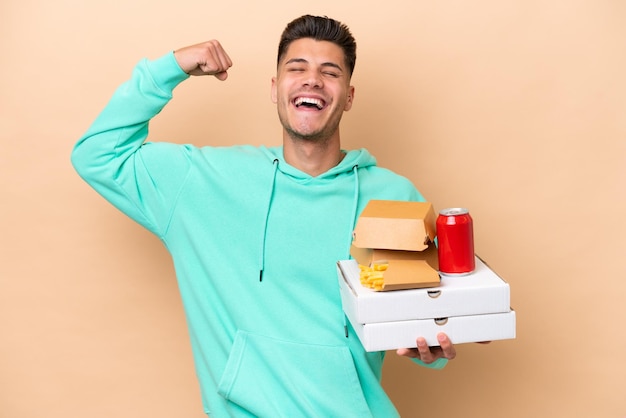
(392, 292)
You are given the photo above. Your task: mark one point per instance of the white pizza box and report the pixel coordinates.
(383, 336)
(481, 292)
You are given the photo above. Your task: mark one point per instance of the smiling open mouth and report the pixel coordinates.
(309, 102)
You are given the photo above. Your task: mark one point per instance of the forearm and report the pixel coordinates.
(110, 156)
(122, 127)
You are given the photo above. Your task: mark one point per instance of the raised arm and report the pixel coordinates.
(142, 179)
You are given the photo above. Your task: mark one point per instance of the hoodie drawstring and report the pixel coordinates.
(355, 206)
(267, 216)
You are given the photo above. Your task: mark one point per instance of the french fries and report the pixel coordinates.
(373, 276)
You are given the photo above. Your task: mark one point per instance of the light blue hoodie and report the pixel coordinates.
(255, 243)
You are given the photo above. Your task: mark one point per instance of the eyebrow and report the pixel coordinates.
(324, 64)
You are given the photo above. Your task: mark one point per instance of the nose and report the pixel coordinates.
(313, 79)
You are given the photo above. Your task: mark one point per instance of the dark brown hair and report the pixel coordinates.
(320, 28)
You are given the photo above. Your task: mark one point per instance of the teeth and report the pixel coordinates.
(310, 101)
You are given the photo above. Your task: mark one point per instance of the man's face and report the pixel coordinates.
(312, 89)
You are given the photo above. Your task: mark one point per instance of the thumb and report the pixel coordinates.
(222, 75)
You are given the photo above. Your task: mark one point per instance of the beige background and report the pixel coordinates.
(514, 109)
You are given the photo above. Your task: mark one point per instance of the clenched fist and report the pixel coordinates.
(207, 58)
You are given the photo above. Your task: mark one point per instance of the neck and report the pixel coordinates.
(312, 157)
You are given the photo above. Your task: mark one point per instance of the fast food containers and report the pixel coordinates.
(469, 308)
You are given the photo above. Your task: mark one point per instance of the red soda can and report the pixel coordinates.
(455, 239)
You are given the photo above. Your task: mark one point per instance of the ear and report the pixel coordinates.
(350, 99)
(274, 93)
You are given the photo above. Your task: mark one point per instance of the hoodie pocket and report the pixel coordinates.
(275, 378)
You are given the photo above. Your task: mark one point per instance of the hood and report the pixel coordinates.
(352, 162)
(360, 158)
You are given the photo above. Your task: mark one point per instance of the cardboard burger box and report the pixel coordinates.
(401, 235)
(416, 300)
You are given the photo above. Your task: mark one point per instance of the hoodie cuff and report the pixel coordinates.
(438, 364)
(166, 72)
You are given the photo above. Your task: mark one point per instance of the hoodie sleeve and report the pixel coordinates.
(438, 364)
(141, 179)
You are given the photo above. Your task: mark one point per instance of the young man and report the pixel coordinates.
(255, 232)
